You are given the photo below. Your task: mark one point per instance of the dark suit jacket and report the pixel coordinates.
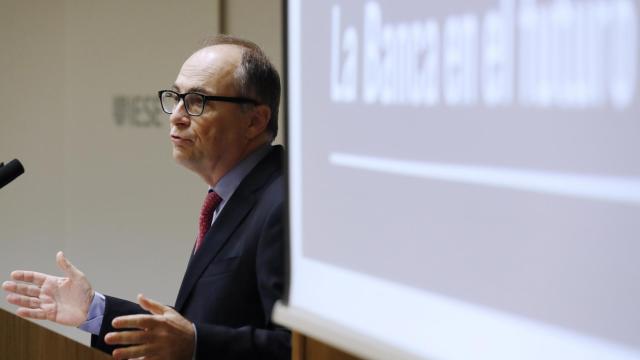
(232, 282)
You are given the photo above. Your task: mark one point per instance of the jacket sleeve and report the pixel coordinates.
(114, 307)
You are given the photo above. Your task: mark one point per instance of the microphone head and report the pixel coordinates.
(10, 171)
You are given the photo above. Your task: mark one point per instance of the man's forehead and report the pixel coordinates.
(214, 58)
(209, 67)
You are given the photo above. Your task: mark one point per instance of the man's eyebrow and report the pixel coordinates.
(197, 89)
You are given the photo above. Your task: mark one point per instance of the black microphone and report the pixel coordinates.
(8, 172)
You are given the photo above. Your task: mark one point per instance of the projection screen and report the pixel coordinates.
(465, 177)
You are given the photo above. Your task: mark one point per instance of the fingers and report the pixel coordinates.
(32, 313)
(66, 266)
(8, 286)
(131, 352)
(29, 277)
(24, 301)
(127, 338)
(22, 289)
(137, 321)
(151, 305)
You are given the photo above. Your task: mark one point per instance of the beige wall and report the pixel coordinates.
(32, 128)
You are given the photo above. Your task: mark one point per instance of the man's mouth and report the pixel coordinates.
(177, 140)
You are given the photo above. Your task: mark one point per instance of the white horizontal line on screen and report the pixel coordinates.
(617, 189)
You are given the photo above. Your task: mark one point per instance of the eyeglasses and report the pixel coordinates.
(193, 102)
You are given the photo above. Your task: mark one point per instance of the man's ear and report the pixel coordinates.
(259, 118)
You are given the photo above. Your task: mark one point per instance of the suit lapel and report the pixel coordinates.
(240, 204)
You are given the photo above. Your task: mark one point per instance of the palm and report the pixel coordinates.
(64, 300)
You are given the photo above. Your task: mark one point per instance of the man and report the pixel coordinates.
(224, 107)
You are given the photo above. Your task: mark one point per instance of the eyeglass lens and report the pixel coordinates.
(193, 102)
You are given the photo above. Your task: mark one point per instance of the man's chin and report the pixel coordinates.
(184, 159)
(180, 156)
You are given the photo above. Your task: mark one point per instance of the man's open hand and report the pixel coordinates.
(64, 300)
(164, 334)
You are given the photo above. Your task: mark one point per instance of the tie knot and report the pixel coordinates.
(211, 202)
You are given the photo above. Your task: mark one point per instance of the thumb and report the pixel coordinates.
(152, 306)
(66, 266)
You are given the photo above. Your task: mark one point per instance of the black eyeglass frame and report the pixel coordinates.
(205, 98)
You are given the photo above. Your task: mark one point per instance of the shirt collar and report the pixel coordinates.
(231, 180)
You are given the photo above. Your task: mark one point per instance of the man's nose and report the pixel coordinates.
(179, 116)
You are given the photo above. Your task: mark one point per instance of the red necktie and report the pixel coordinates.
(211, 202)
